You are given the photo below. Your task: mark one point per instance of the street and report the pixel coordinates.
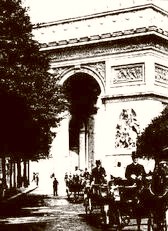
(39, 212)
(35, 211)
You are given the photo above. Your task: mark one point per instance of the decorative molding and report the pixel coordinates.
(106, 37)
(127, 73)
(135, 97)
(98, 67)
(108, 48)
(161, 74)
(58, 72)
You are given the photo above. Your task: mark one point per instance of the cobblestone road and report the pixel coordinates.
(37, 212)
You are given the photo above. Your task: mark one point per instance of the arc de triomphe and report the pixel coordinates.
(115, 67)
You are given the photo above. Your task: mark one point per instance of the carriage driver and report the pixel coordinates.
(135, 172)
(98, 174)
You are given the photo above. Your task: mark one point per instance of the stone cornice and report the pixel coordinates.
(102, 14)
(141, 44)
(132, 33)
(134, 97)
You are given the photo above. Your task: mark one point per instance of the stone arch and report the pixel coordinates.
(83, 91)
(86, 70)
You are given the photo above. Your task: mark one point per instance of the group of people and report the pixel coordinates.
(36, 178)
(77, 177)
(134, 174)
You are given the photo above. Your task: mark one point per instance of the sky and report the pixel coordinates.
(52, 10)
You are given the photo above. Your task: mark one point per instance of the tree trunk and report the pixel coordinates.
(10, 169)
(25, 177)
(19, 177)
(28, 169)
(14, 174)
(3, 172)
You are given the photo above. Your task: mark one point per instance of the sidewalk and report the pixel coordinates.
(20, 192)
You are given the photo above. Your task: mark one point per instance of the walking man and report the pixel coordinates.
(37, 179)
(55, 187)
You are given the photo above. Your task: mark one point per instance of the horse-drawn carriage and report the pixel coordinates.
(138, 202)
(75, 187)
(119, 203)
(97, 197)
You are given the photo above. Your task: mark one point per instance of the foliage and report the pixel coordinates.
(34, 100)
(154, 138)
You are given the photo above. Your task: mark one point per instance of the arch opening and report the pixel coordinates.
(82, 91)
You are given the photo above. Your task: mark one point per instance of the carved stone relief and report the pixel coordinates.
(161, 74)
(93, 50)
(127, 129)
(99, 67)
(127, 73)
(58, 72)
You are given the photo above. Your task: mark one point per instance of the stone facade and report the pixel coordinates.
(125, 51)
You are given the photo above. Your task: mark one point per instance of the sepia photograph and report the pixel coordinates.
(84, 116)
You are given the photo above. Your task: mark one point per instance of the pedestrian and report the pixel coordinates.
(55, 187)
(34, 176)
(37, 179)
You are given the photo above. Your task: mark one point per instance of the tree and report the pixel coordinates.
(30, 98)
(153, 141)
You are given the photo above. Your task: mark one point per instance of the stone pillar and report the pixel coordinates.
(86, 148)
(91, 141)
(60, 153)
(82, 149)
(101, 127)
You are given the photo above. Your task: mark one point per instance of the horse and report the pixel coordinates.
(154, 198)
